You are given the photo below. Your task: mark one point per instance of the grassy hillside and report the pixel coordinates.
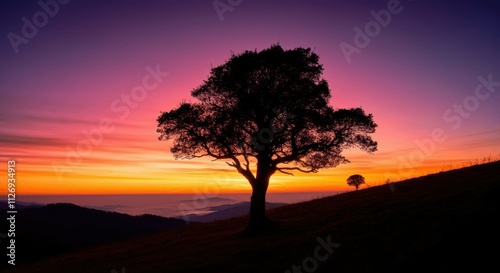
(440, 222)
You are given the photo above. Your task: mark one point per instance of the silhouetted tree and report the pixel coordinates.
(355, 180)
(264, 112)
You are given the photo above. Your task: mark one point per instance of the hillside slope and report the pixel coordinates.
(227, 211)
(45, 231)
(442, 222)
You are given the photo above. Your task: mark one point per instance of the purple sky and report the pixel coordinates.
(73, 72)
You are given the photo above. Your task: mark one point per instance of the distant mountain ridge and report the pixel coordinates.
(19, 205)
(210, 199)
(43, 231)
(226, 211)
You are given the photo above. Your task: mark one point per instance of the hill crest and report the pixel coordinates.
(443, 221)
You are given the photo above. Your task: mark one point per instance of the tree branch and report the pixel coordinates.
(294, 168)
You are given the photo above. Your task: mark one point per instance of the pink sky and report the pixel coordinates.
(73, 73)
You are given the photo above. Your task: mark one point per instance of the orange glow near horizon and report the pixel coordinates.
(202, 176)
(80, 102)
(131, 162)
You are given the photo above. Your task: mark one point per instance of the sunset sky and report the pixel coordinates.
(430, 77)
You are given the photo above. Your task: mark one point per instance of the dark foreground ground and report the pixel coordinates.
(438, 223)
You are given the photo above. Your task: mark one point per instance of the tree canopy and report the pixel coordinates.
(263, 112)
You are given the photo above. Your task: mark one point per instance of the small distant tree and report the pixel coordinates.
(355, 180)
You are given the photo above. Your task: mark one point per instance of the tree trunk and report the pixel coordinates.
(258, 218)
